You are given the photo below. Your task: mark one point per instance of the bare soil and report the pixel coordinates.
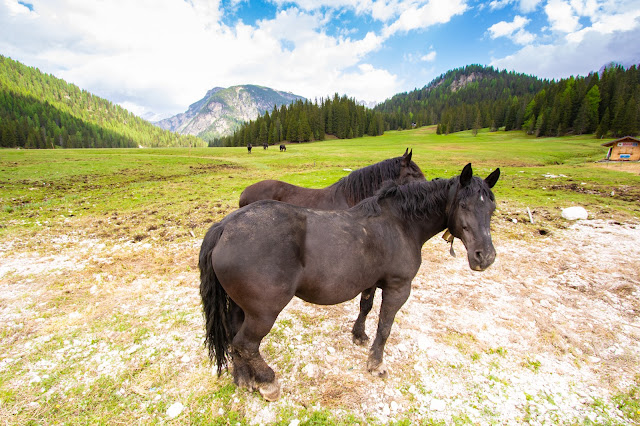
(548, 334)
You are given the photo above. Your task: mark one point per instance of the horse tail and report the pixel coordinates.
(215, 302)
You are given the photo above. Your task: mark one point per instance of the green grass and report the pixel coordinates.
(168, 197)
(182, 190)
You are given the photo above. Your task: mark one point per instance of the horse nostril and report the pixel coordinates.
(479, 256)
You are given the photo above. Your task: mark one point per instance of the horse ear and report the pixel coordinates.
(406, 151)
(406, 158)
(493, 178)
(466, 175)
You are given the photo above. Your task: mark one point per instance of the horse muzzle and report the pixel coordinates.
(479, 260)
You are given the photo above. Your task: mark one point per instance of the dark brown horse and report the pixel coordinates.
(345, 193)
(249, 272)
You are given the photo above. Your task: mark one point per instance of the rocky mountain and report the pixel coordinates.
(222, 111)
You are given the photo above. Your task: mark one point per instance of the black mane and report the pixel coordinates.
(363, 183)
(420, 200)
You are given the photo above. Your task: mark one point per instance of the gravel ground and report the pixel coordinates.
(548, 334)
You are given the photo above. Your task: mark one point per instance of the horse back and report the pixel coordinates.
(321, 198)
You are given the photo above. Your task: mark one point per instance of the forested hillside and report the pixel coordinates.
(474, 97)
(606, 104)
(306, 121)
(461, 98)
(38, 110)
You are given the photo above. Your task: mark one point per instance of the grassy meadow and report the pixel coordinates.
(179, 191)
(100, 319)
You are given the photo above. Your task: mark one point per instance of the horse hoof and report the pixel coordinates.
(379, 371)
(361, 340)
(270, 391)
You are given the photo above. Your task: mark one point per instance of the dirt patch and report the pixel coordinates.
(548, 334)
(621, 166)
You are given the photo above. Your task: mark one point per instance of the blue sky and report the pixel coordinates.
(159, 56)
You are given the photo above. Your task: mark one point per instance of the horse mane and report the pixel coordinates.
(363, 183)
(420, 199)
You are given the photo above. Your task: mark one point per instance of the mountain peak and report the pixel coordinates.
(223, 110)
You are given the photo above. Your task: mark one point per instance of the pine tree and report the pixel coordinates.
(477, 123)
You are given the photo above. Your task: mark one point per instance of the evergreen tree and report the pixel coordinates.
(477, 123)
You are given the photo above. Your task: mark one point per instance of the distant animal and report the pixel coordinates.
(265, 145)
(249, 148)
(249, 272)
(283, 147)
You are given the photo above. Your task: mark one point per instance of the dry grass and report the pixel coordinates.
(86, 318)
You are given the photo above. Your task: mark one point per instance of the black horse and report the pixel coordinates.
(345, 193)
(249, 272)
(265, 145)
(249, 148)
(283, 147)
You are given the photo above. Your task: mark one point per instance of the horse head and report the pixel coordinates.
(470, 205)
(409, 171)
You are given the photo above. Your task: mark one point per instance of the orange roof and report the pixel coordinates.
(624, 139)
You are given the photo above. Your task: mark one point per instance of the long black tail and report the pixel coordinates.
(215, 302)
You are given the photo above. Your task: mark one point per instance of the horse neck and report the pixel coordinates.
(364, 183)
(427, 215)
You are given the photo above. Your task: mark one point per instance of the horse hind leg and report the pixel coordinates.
(242, 374)
(253, 372)
(366, 303)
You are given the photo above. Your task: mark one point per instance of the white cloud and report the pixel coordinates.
(429, 57)
(423, 16)
(163, 55)
(589, 53)
(513, 30)
(525, 6)
(561, 16)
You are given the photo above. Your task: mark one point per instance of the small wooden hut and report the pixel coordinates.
(623, 149)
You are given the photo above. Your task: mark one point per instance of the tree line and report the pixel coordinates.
(474, 97)
(304, 121)
(38, 110)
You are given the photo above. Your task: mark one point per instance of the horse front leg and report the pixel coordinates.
(366, 303)
(393, 297)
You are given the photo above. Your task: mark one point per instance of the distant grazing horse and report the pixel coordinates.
(249, 272)
(283, 147)
(249, 148)
(265, 145)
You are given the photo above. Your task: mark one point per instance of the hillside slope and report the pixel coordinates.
(458, 95)
(38, 110)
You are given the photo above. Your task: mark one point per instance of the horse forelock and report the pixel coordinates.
(363, 183)
(477, 185)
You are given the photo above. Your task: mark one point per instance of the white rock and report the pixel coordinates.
(423, 342)
(386, 410)
(175, 410)
(574, 213)
(310, 370)
(437, 405)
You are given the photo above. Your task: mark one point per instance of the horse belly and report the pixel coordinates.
(340, 262)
